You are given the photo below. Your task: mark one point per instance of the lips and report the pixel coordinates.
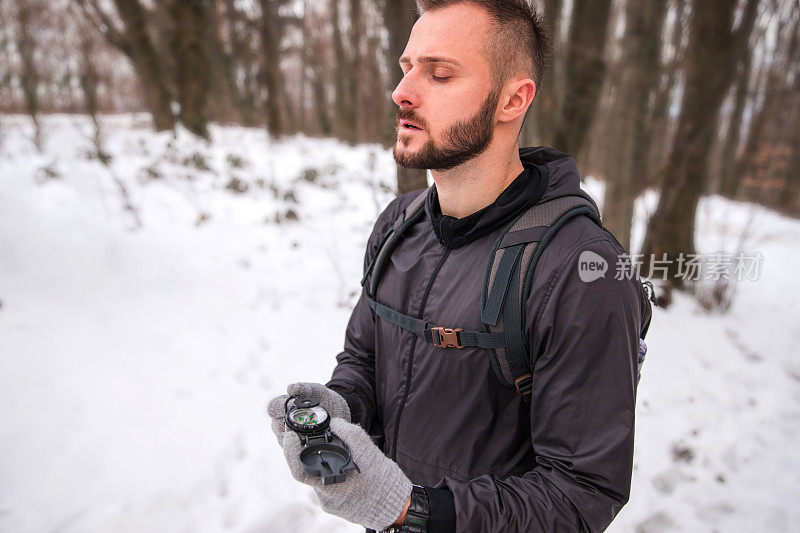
(408, 125)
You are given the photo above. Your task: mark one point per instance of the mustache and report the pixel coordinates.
(406, 113)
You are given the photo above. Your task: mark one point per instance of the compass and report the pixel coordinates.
(323, 455)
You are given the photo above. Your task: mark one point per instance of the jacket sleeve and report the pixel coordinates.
(585, 337)
(354, 375)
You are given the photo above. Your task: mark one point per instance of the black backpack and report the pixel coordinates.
(509, 273)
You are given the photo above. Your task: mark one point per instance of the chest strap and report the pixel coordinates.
(439, 336)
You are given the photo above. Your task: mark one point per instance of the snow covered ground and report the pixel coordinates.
(137, 351)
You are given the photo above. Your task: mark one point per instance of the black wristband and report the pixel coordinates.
(442, 511)
(417, 515)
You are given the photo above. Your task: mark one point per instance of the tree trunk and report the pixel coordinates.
(357, 79)
(585, 70)
(729, 175)
(241, 60)
(747, 163)
(540, 124)
(89, 80)
(271, 74)
(344, 118)
(318, 50)
(222, 105)
(191, 30)
(399, 17)
(660, 130)
(710, 66)
(29, 78)
(375, 91)
(627, 140)
(139, 47)
(304, 66)
(789, 200)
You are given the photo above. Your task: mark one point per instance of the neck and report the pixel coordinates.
(473, 185)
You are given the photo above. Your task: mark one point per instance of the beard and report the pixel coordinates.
(464, 140)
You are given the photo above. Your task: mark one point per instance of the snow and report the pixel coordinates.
(135, 362)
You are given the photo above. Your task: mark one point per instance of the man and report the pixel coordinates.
(459, 451)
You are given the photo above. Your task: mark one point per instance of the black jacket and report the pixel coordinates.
(559, 463)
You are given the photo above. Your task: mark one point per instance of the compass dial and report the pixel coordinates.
(308, 418)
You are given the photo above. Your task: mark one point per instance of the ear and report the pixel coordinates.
(517, 97)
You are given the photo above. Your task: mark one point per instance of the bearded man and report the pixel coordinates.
(442, 440)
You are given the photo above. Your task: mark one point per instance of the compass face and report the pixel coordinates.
(308, 418)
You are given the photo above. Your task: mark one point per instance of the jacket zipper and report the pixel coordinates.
(411, 356)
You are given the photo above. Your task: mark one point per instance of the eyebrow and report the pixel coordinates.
(429, 59)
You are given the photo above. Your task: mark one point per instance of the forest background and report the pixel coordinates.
(691, 98)
(176, 174)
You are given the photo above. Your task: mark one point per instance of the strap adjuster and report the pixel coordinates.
(524, 385)
(446, 337)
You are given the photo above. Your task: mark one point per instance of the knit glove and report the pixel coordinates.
(372, 497)
(329, 400)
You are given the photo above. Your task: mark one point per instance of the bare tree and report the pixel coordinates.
(662, 125)
(271, 74)
(356, 71)
(317, 52)
(541, 122)
(712, 56)
(585, 71)
(191, 30)
(242, 62)
(790, 197)
(765, 169)
(222, 104)
(345, 124)
(627, 142)
(789, 200)
(133, 39)
(29, 76)
(376, 95)
(89, 79)
(6, 58)
(399, 17)
(729, 174)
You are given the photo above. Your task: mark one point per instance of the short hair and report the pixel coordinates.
(521, 43)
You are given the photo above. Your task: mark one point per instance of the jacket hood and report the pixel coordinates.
(547, 174)
(525, 191)
(560, 171)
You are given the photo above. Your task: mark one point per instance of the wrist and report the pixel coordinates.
(402, 518)
(414, 518)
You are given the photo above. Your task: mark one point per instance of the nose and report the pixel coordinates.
(405, 95)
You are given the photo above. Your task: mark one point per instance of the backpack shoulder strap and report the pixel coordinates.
(439, 336)
(410, 215)
(517, 251)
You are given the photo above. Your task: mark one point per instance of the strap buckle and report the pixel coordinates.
(446, 337)
(524, 385)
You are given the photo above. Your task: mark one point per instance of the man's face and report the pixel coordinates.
(446, 97)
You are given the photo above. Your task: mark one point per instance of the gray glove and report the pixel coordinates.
(373, 497)
(329, 400)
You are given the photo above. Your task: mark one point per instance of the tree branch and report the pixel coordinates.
(103, 22)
